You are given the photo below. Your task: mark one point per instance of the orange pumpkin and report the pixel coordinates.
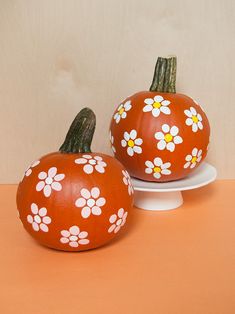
(75, 200)
(160, 135)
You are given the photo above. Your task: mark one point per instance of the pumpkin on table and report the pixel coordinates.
(74, 199)
(160, 135)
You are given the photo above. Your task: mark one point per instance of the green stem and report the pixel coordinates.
(80, 133)
(164, 78)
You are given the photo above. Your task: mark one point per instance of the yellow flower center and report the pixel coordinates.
(157, 169)
(130, 143)
(156, 104)
(194, 159)
(121, 111)
(168, 137)
(195, 119)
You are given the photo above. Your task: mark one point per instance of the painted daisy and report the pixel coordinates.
(49, 181)
(117, 220)
(127, 181)
(74, 237)
(122, 111)
(132, 143)
(91, 163)
(168, 138)
(39, 218)
(112, 142)
(157, 105)
(194, 119)
(157, 168)
(193, 159)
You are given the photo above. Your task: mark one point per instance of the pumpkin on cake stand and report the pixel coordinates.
(161, 137)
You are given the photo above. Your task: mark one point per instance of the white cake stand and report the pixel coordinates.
(167, 195)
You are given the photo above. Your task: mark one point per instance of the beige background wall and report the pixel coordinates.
(57, 56)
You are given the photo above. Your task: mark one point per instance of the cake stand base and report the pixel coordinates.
(167, 195)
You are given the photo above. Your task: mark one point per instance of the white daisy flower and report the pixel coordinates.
(50, 181)
(117, 221)
(90, 163)
(90, 202)
(193, 159)
(127, 181)
(157, 105)
(168, 138)
(132, 143)
(112, 142)
(194, 119)
(74, 237)
(39, 218)
(157, 168)
(29, 170)
(121, 111)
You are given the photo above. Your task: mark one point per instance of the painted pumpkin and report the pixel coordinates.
(75, 200)
(160, 135)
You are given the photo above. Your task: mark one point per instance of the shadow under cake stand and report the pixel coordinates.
(167, 195)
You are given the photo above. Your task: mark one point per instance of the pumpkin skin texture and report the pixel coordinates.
(153, 116)
(74, 201)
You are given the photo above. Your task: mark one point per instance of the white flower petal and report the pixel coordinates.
(96, 210)
(83, 235)
(124, 115)
(199, 153)
(95, 192)
(165, 103)
(158, 98)
(123, 143)
(44, 227)
(178, 139)
(101, 201)
(111, 228)
(59, 177)
(88, 169)
(127, 105)
(189, 121)
(161, 145)
(86, 211)
(35, 226)
(188, 113)
(149, 101)
(149, 164)
(42, 212)
(193, 165)
(99, 168)
(170, 146)
(199, 117)
(73, 244)
(83, 241)
(166, 165)
(118, 118)
(165, 128)
(85, 193)
(120, 107)
(46, 220)
(187, 164)
(188, 158)
(120, 212)
(165, 110)
(126, 136)
(42, 175)
(28, 172)
(155, 112)
(166, 171)
(138, 141)
(133, 134)
(148, 170)
(200, 126)
(40, 186)
(174, 131)
(47, 190)
(52, 172)
(64, 240)
(117, 229)
(147, 108)
(194, 151)
(113, 218)
(56, 186)
(34, 208)
(80, 161)
(74, 230)
(157, 161)
(87, 156)
(193, 111)
(35, 163)
(159, 135)
(30, 219)
(157, 175)
(199, 158)
(130, 151)
(194, 127)
(65, 233)
(80, 202)
(137, 149)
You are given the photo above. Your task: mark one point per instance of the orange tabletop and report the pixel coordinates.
(180, 261)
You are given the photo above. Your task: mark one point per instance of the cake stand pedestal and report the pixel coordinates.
(168, 195)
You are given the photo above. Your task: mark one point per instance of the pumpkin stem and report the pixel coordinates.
(164, 77)
(80, 133)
